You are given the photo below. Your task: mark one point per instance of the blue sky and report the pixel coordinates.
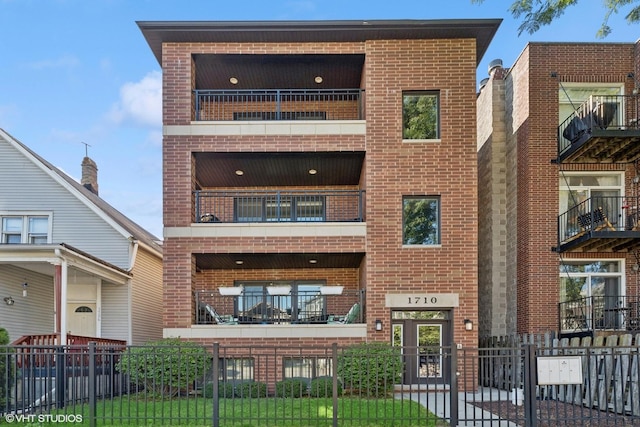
(74, 71)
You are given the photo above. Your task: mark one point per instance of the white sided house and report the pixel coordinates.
(71, 266)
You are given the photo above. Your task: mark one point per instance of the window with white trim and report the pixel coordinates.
(25, 229)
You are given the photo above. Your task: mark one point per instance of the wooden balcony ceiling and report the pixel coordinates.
(606, 146)
(605, 241)
(278, 169)
(278, 71)
(277, 261)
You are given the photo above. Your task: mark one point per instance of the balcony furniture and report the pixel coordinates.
(595, 221)
(216, 318)
(207, 217)
(351, 317)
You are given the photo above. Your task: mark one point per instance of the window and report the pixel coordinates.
(307, 367)
(421, 220)
(581, 193)
(280, 208)
(303, 304)
(420, 115)
(572, 95)
(236, 370)
(17, 229)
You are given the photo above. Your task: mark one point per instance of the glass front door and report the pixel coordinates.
(425, 339)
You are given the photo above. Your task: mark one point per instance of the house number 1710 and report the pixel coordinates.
(423, 300)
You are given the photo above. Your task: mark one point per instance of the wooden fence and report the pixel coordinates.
(610, 368)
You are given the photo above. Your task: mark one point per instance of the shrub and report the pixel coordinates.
(6, 368)
(225, 390)
(166, 367)
(371, 369)
(251, 389)
(323, 387)
(292, 387)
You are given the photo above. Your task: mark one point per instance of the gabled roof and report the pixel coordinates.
(158, 32)
(111, 215)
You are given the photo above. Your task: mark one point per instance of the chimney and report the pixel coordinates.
(90, 175)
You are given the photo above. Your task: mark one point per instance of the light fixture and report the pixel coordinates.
(9, 300)
(312, 171)
(631, 74)
(239, 262)
(313, 261)
(378, 325)
(233, 81)
(318, 79)
(468, 324)
(24, 289)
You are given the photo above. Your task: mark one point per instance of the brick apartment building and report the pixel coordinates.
(559, 175)
(320, 181)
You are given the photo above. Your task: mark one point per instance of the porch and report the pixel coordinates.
(600, 224)
(603, 129)
(600, 314)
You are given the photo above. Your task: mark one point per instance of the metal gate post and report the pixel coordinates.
(334, 377)
(530, 381)
(61, 376)
(91, 381)
(215, 379)
(453, 387)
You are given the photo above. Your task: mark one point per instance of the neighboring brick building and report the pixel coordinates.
(314, 156)
(558, 150)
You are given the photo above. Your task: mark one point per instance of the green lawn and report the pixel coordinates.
(264, 412)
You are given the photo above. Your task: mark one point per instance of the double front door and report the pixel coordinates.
(425, 337)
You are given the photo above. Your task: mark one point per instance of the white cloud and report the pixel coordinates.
(65, 61)
(140, 102)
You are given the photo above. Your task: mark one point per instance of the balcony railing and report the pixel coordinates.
(603, 216)
(278, 104)
(296, 307)
(600, 313)
(598, 114)
(279, 206)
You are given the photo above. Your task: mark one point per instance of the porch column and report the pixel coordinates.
(57, 289)
(63, 302)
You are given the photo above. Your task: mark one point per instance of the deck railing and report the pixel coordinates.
(279, 206)
(278, 104)
(600, 213)
(600, 313)
(297, 307)
(598, 112)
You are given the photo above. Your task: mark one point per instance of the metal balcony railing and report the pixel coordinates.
(296, 307)
(599, 313)
(602, 213)
(619, 112)
(278, 104)
(279, 206)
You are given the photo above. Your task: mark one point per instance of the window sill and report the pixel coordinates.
(437, 140)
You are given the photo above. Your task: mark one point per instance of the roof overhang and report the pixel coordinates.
(43, 258)
(158, 32)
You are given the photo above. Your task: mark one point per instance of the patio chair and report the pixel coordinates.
(595, 221)
(351, 317)
(217, 318)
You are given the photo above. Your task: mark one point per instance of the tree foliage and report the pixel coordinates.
(537, 13)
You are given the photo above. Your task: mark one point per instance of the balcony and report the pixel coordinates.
(600, 224)
(604, 129)
(279, 206)
(588, 315)
(278, 104)
(292, 307)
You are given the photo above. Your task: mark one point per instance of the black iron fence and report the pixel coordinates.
(520, 384)
(279, 206)
(278, 104)
(599, 112)
(600, 313)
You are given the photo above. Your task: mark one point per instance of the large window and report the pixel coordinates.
(17, 229)
(281, 301)
(572, 95)
(421, 220)
(420, 115)
(306, 367)
(280, 208)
